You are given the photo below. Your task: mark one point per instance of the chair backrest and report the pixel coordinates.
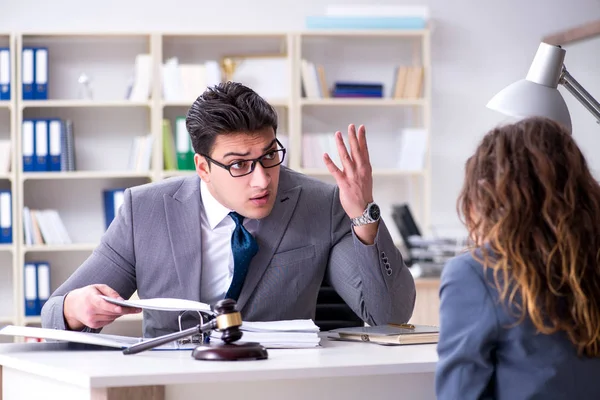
(405, 222)
(332, 312)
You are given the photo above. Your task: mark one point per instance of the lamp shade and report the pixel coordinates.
(537, 94)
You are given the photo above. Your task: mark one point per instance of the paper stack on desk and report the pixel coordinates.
(298, 333)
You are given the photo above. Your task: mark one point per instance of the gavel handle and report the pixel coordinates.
(158, 341)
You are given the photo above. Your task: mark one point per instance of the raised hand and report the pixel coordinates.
(354, 179)
(85, 307)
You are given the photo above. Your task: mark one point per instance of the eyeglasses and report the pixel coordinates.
(245, 167)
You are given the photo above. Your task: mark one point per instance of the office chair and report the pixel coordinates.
(332, 311)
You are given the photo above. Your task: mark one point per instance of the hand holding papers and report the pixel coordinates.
(161, 304)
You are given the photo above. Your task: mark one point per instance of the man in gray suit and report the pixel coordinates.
(245, 228)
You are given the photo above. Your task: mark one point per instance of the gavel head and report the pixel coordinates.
(228, 320)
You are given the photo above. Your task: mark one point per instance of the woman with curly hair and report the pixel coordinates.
(520, 311)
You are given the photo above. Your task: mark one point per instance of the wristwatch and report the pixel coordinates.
(370, 215)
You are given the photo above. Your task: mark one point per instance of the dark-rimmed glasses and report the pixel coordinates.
(270, 159)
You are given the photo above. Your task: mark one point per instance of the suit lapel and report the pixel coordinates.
(182, 212)
(268, 235)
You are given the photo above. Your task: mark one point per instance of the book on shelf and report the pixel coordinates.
(185, 82)
(370, 16)
(36, 286)
(44, 227)
(346, 89)
(301, 333)
(6, 217)
(403, 334)
(140, 88)
(5, 74)
(48, 145)
(408, 82)
(140, 155)
(34, 68)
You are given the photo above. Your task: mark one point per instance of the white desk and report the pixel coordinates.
(337, 370)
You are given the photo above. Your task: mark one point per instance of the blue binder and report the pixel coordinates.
(6, 223)
(5, 73)
(113, 199)
(28, 73)
(43, 285)
(28, 144)
(41, 73)
(30, 289)
(41, 145)
(55, 152)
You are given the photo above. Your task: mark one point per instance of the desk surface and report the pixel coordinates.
(99, 368)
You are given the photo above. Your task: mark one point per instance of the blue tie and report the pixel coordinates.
(244, 247)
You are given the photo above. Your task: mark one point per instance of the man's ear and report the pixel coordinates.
(202, 167)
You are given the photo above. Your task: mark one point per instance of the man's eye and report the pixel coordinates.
(240, 165)
(269, 156)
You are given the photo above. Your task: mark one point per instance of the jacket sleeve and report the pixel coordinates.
(111, 263)
(468, 333)
(372, 279)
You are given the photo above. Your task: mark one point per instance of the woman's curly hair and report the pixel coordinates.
(531, 204)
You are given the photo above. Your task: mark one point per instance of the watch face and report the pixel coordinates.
(374, 212)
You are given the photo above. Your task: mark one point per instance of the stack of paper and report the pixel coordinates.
(298, 333)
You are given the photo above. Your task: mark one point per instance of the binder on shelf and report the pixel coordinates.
(41, 73)
(113, 199)
(41, 145)
(5, 73)
(28, 143)
(30, 289)
(55, 137)
(67, 145)
(6, 229)
(43, 285)
(28, 73)
(184, 150)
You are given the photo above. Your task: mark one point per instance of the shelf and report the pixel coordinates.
(6, 176)
(6, 320)
(365, 32)
(170, 174)
(7, 247)
(226, 35)
(37, 248)
(84, 175)
(32, 320)
(7, 104)
(363, 102)
(83, 103)
(183, 103)
(376, 172)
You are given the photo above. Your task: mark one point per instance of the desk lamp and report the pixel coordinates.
(538, 95)
(228, 322)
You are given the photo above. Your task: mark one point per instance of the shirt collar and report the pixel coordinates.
(215, 212)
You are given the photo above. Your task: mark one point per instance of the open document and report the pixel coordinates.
(273, 334)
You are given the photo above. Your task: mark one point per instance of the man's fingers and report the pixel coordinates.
(355, 151)
(332, 168)
(362, 141)
(108, 291)
(343, 152)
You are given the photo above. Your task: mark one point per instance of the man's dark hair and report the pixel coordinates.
(224, 109)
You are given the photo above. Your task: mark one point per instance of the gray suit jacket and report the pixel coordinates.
(480, 357)
(153, 246)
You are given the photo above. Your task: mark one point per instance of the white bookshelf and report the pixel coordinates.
(9, 268)
(105, 126)
(370, 57)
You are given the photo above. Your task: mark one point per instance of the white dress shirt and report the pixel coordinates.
(217, 258)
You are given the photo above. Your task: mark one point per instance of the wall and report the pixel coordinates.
(478, 48)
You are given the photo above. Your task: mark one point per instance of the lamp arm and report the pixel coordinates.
(580, 94)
